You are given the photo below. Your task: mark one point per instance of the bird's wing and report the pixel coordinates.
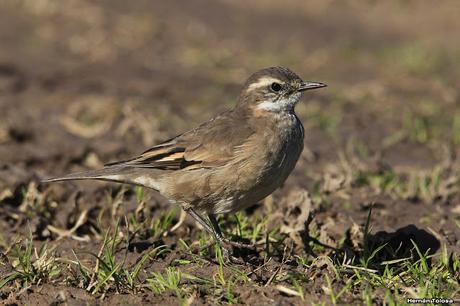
(211, 144)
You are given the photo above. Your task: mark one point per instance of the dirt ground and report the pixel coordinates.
(83, 83)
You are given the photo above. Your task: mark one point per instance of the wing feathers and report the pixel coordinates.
(210, 145)
(160, 157)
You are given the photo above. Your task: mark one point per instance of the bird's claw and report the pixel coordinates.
(229, 258)
(238, 244)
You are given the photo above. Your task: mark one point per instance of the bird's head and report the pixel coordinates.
(275, 89)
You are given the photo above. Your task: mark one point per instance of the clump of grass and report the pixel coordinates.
(221, 286)
(226, 278)
(162, 224)
(30, 265)
(110, 271)
(159, 283)
(254, 229)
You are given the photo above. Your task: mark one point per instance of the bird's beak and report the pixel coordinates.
(307, 85)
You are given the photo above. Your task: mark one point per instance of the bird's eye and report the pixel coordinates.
(275, 87)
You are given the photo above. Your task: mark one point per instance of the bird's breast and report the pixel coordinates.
(274, 157)
(284, 150)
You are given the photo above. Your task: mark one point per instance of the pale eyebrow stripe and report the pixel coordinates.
(263, 81)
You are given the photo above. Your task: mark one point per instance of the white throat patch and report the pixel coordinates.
(286, 104)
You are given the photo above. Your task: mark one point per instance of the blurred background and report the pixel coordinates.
(83, 83)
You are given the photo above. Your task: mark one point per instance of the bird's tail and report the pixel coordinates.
(118, 174)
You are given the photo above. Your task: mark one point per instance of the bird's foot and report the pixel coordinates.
(237, 244)
(228, 257)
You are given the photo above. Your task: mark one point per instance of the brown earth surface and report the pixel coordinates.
(83, 83)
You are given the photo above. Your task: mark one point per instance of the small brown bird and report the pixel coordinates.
(229, 162)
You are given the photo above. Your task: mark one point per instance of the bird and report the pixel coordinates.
(228, 163)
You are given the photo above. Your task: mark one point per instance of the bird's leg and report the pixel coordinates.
(216, 227)
(198, 218)
(216, 233)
